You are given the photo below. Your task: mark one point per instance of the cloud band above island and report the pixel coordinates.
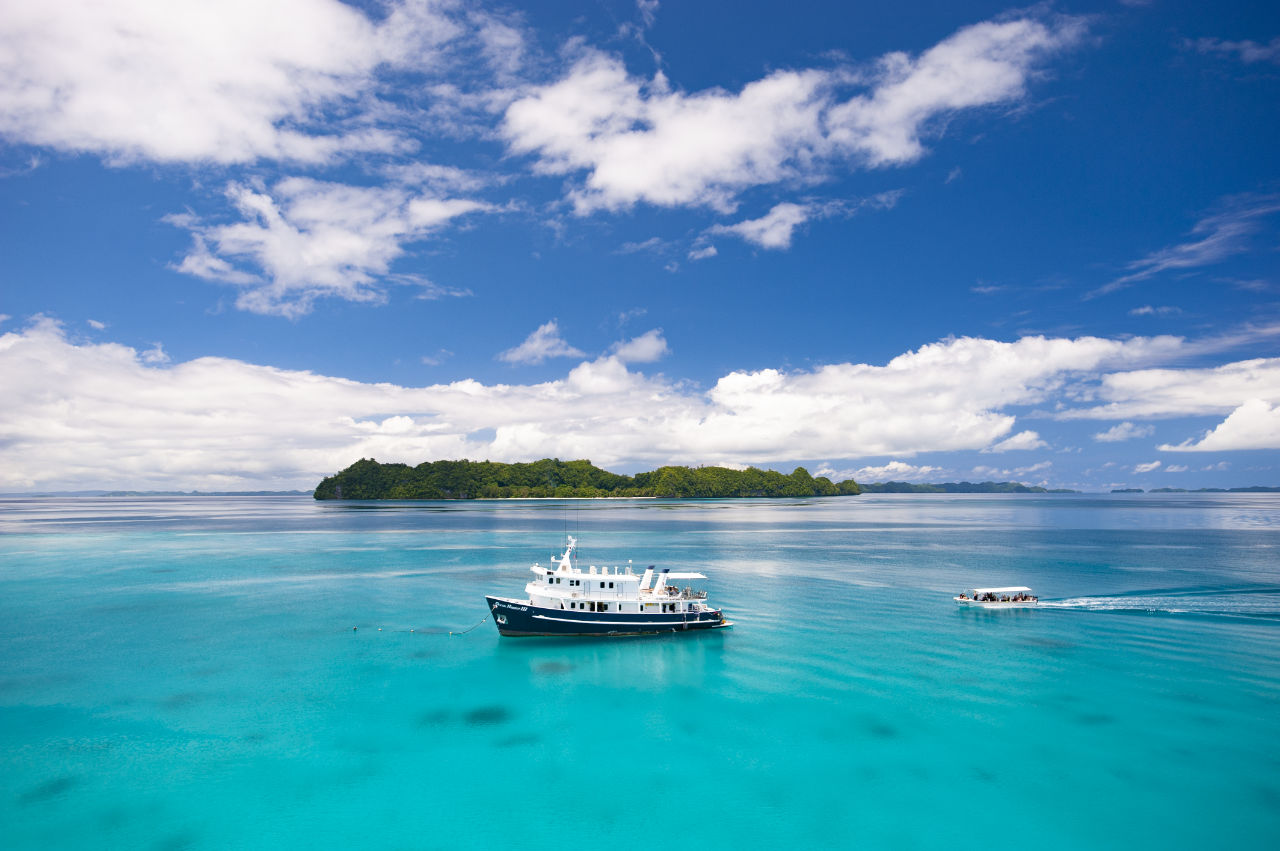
(83, 414)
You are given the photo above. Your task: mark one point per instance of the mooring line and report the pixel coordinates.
(468, 629)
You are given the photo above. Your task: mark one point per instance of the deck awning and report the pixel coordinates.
(682, 576)
(1012, 589)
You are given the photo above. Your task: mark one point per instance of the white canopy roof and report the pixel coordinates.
(1012, 589)
(682, 576)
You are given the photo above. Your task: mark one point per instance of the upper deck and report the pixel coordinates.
(563, 584)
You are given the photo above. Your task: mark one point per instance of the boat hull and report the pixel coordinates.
(520, 618)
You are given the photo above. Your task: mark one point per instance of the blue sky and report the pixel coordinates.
(248, 243)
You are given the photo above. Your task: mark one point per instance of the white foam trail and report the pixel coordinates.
(1251, 604)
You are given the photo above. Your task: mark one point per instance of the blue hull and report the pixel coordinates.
(514, 618)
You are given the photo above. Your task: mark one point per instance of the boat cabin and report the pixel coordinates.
(1012, 595)
(564, 585)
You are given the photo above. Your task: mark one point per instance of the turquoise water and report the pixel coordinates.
(184, 673)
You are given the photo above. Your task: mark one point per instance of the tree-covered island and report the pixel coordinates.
(551, 477)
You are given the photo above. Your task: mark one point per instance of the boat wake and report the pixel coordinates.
(1220, 602)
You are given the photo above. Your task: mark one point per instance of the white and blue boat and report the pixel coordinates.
(563, 599)
(1010, 597)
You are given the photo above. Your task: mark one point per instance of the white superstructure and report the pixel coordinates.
(565, 586)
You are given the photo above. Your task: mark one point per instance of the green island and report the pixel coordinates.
(553, 478)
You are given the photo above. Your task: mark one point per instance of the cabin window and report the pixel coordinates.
(610, 584)
(604, 607)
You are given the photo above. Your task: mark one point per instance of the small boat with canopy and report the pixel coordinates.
(1010, 597)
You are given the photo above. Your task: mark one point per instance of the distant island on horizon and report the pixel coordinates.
(959, 487)
(156, 493)
(863, 487)
(1250, 489)
(552, 478)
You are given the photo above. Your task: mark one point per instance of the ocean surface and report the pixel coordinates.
(272, 672)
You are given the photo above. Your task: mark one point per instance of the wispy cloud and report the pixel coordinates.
(1124, 431)
(306, 239)
(648, 10)
(436, 359)
(653, 243)
(155, 355)
(1246, 51)
(1214, 239)
(774, 230)
(1021, 440)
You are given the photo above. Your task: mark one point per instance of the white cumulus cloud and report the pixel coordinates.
(773, 230)
(1147, 467)
(223, 81)
(1253, 425)
(899, 471)
(90, 414)
(637, 140)
(647, 348)
(980, 65)
(1179, 392)
(545, 342)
